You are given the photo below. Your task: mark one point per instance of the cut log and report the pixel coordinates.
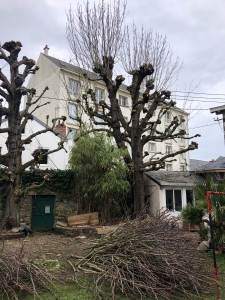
(83, 219)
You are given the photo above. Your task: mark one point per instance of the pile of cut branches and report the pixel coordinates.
(17, 275)
(147, 257)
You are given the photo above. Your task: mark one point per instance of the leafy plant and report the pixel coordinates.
(102, 174)
(193, 214)
(217, 204)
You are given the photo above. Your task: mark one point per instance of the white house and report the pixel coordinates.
(170, 190)
(45, 141)
(65, 85)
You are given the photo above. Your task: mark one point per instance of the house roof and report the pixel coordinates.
(173, 178)
(218, 109)
(196, 164)
(212, 166)
(75, 69)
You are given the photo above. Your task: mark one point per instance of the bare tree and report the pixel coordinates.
(12, 92)
(100, 40)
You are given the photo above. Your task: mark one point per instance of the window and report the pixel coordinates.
(182, 124)
(40, 156)
(168, 117)
(189, 197)
(169, 167)
(122, 100)
(99, 120)
(99, 95)
(169, 150)
(173, 200)
(182, 168)
(71, 133)
(182, 156)
(181, 141)
(73, 88)
(47, 209)
(72, 111)
(152, 147)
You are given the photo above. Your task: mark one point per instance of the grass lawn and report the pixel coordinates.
(75, 292)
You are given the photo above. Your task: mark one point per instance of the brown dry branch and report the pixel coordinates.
(147, 257)
(17, 275)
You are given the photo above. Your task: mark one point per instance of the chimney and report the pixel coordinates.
(46, 50)
(61, 128)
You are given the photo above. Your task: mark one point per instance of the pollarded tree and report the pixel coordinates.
(101, 174)
(100, 42)
(12, 92)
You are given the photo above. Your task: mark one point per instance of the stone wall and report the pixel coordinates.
(63, 208)
(26, 210)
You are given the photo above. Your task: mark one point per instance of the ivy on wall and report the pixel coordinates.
(61, 182)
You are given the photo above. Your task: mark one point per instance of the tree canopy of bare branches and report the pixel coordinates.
(12, 92)
(100, 40)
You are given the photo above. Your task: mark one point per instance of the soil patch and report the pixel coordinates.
(46, 246)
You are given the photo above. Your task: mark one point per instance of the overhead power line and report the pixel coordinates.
(198, 93)
(208, 125)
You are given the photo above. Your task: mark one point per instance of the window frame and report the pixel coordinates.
(123, 101)
(169, 167)
(43, 160)
(72, 92)
(182, 124)
(150, 144)
(170, 149)
(174, 199)
(168, 117)
(98, 119)
(182, 156)
(97, 99)
(182, 141)
(71, 133)
(183, 168)
(70, 115)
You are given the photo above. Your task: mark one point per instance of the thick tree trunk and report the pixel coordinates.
(138, 192)
(12, 210)
(138, 175)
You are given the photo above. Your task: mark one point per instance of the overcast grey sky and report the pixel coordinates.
(195, 29)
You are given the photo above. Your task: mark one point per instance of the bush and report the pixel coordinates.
(192, 214)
